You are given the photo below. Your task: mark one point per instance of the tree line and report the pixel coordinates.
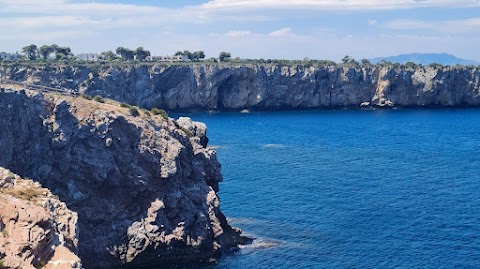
(33, 52)
(141, 55)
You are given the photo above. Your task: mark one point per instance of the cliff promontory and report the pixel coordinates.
(263, 86)
(144, 186)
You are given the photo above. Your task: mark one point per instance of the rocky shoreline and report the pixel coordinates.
(144, 187)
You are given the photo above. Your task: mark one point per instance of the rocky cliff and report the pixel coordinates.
(262, 87)
(144, 187)
(38, 230)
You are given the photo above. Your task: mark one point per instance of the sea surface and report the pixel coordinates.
(351, 189)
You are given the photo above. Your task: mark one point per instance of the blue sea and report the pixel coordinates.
(351, 189)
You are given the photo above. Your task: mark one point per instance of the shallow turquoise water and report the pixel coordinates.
(351, 189)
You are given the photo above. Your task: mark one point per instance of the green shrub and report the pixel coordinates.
(86, 96)
(134, 111)
(5, 233)
(2, 265)
(188, 132)
(125, 105)
(435, 65)
(99, 99)
(24, 193)
(410, 65)
(161, 112)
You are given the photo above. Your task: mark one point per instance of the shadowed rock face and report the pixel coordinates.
(263, 87)
(143, 188)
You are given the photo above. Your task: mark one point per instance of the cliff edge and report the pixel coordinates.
(233, 87)
(144, 187)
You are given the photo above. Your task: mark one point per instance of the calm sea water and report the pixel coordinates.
(351, 189)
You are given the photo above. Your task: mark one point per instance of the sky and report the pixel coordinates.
(268, 29)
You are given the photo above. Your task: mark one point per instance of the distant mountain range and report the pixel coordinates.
(426, 59)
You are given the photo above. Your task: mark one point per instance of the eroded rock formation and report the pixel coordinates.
(263, 87)
(37, 230)
(145, 188)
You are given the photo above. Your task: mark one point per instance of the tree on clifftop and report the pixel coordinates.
(62, 52)
(366, 62)
(141, 54)
(347, 60)
(188, 54)
(198, 55)
(109, 55)
(224, 56)
(126, 54)
(30, 51)
(410, 65)
(45, 51)
(195, 56)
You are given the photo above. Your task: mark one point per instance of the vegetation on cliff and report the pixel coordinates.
(55, 55)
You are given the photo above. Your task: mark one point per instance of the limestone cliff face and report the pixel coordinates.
(37, 230)
(263, 87)
(144, 187)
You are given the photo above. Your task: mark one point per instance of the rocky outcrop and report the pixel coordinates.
(37, 230)
(144, 188)
(262, 87)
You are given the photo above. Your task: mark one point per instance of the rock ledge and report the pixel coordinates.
(38, 230)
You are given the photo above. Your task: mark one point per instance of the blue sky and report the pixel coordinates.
(288, 29)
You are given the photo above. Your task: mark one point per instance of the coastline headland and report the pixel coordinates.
(144, 186)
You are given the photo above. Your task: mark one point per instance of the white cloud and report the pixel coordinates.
(48, 21)
(284, 32)
(337, 5)
(30, 2)
(62, 13)
(409, 24)
(280, 33)
(93, 26)
(63, 7)
(54, 15)
(238, 33)
(447, 26)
